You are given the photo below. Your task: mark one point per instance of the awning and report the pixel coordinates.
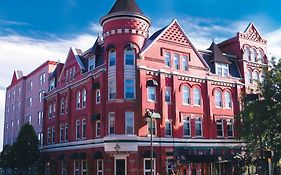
(151, 83)
(147, 154)
(96, 117)
(96, 85)
(97, 155)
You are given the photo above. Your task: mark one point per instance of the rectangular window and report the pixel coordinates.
(129, 89)
(64, 167)
(50, 111)
(151, 94)
(151, 127)
(129, 122)
(147, 166)
(29, 101)
(219, 128)
(84, 128)
(130, 57)
(168, 128)
(42, 78)
(97, 96)
(98, 125)
(222, 69)
(54, 110)
(198, 127)
(30, 85)
(49, 135)
(186, 127)
(53, 134)
(169, 166)
(29, 119)
(77, 129)
(112, 89)
(76, 167)
(66, 132)
(61, 132)
(167, 56)
(84, 167)
(52, 84)
(41, 95)
(168, 95)
(99, 167)
(230, 128)
(176, 61)
(40, 117)
(185, 63)
(91, 63)
(111, 123)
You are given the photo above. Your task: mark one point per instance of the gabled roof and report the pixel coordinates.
(76, 53)
(16, 75)
(217, 55)
(125, 6)
(252, 28)
(157, 35)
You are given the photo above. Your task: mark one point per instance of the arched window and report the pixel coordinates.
(249, 76)
(260, 56)
(62, 106)
(256, 76)
(129, 55)
(78, 100)
(185, 95)
(228, 101)
(84, 97)
(253, 54)
(247, 54)
(218, 98)
(196, 96)
(112, 57)
(262, 76)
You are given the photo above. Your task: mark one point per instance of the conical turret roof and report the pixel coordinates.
(125, 6)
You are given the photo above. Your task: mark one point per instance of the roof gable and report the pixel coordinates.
(251, 33)
(173, 33)
(16, 76)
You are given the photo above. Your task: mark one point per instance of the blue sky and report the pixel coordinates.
(36, 30)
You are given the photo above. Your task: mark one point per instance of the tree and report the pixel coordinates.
(8, 158)
(261, 118)
(26, 149)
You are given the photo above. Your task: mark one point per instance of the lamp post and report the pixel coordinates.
(152, 115)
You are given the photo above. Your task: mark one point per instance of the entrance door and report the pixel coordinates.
(120, 167)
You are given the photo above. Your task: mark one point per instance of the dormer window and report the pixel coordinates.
(222, 69)
(91, 63)
(52, 84)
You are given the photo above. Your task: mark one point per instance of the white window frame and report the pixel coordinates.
(186, 120)
(129, 116)
(62, 106)
(111, 56)
(222, 69)
(246, 54)
(149, 170)
(185, 62)
(151, 91)
(84, 128)
(218, 99)
(84, 98)
(84, 171)
(92, 63)
(168, 95)
(111, 118)
(201, 126)
(99, 172)
(76, 168)
(49, 140)
(197, 99)
(169, 129)
(53, 134)
(185, 90)
(167, 57)
(78, 100)
(129, 86)
(249, 76)
(227, 100)
(61, 132)
(229, 122)
(77, 128)
(98, 128)
(176, 61)
(129, 52)
(219, 122)
(66, 132)
(112, 90)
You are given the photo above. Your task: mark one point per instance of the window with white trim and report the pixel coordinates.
(84, 98)
(91, 64)
(64, 167)
(40, 117)
(129, 88)
(196, 96)
(186, 127)
(111, 123)
(61, 132)
(30, 85)
(176, 61)
(168, 95)
(42, 78)
(49, 136)
(168, 128)
(54, 110)
(112, 57)
(260, 56)
(253, 54)
(29, 101)
(185, 63)
(129, 55)
(129, 117)
(249, 77)
(84, 167)
(74, 73)
(198, 127)
(218, 98)
(29, 119)
(167, 56)
(84, 128)
(151, 93)
(62, 106)
(228, 100)
(222, 69)
(99, 167)
(246, 54)
(229, 123)
(98, 96)
(76, 167)
(78, 100)
(77, 129)
(98, 127)
(66, 105)
(53, 134)
(41, 95)
(112, 89)
(219, 127)
(147, 166)
(66, 132)
(185, 95)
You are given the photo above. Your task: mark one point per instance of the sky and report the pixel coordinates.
(34, 31)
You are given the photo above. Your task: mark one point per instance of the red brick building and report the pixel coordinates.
(96, 115)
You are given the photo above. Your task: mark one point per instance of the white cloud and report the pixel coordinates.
(274, 43)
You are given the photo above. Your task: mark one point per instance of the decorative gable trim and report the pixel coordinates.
(251, 33)
(189, 43)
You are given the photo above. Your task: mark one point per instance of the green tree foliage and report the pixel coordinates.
(261, 118)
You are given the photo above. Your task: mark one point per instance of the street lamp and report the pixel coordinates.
(151, 115)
